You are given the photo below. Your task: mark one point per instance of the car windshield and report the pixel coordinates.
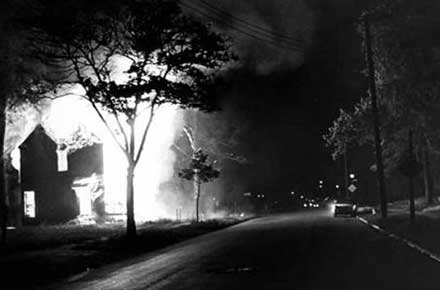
(344, 201)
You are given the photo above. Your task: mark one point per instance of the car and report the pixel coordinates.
(344, 207)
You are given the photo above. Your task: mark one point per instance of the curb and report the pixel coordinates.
(405, 241)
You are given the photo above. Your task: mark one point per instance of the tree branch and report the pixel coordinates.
(147, 128)
(190, 138)
(115, 138)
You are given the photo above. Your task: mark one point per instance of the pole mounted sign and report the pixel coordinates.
(352, 188)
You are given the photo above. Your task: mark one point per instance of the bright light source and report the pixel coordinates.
(321, 182)
(292, 193)
(155, 165)
(352, 176)
(337, 185)
(29, 204)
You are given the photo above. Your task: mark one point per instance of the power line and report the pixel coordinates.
(247, 24)
(271, 41)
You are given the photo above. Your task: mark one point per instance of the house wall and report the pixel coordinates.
(56, 202)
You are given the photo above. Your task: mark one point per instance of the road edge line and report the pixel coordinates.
(403, 240)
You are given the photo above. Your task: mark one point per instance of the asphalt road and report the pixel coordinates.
(305, 250)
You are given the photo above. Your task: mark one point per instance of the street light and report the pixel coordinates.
(352, 176)
(337, 185)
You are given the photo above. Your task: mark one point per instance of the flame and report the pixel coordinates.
(155, 166)
(156, 162)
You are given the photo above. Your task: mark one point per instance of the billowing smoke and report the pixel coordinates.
(267, 35)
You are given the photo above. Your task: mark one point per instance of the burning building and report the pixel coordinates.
(59, 183)
(70, 167)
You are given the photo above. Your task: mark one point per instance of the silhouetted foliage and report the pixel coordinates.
(200, 171)
(23, 80)
(169, 58)
(407, 78)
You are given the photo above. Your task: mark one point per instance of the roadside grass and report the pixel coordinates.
(424, 230)
(44, 254)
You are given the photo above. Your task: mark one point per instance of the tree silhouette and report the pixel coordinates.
(407, 74)
(199, 171)
(173, 59)
(21, 82)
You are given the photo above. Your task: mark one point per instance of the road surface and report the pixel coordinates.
(304, 250)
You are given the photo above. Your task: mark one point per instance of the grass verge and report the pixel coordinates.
(35, 256)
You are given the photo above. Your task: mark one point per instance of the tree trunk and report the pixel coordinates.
(427, 179)
(3, 204)
(131, 224)
(345, 173)
(197, 183)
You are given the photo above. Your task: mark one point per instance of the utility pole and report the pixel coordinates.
(377, 138)
(427, 178)
(412, 208)
(345, 172)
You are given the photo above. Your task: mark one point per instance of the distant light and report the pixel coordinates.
(321, 182)
(302, 196)
(337, 185)
(320, 186)
(305, 205)
(292, 193)
(352, 176)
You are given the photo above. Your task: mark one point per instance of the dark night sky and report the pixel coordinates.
(289, 95)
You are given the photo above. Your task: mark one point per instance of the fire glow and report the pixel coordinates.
(155, 166)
